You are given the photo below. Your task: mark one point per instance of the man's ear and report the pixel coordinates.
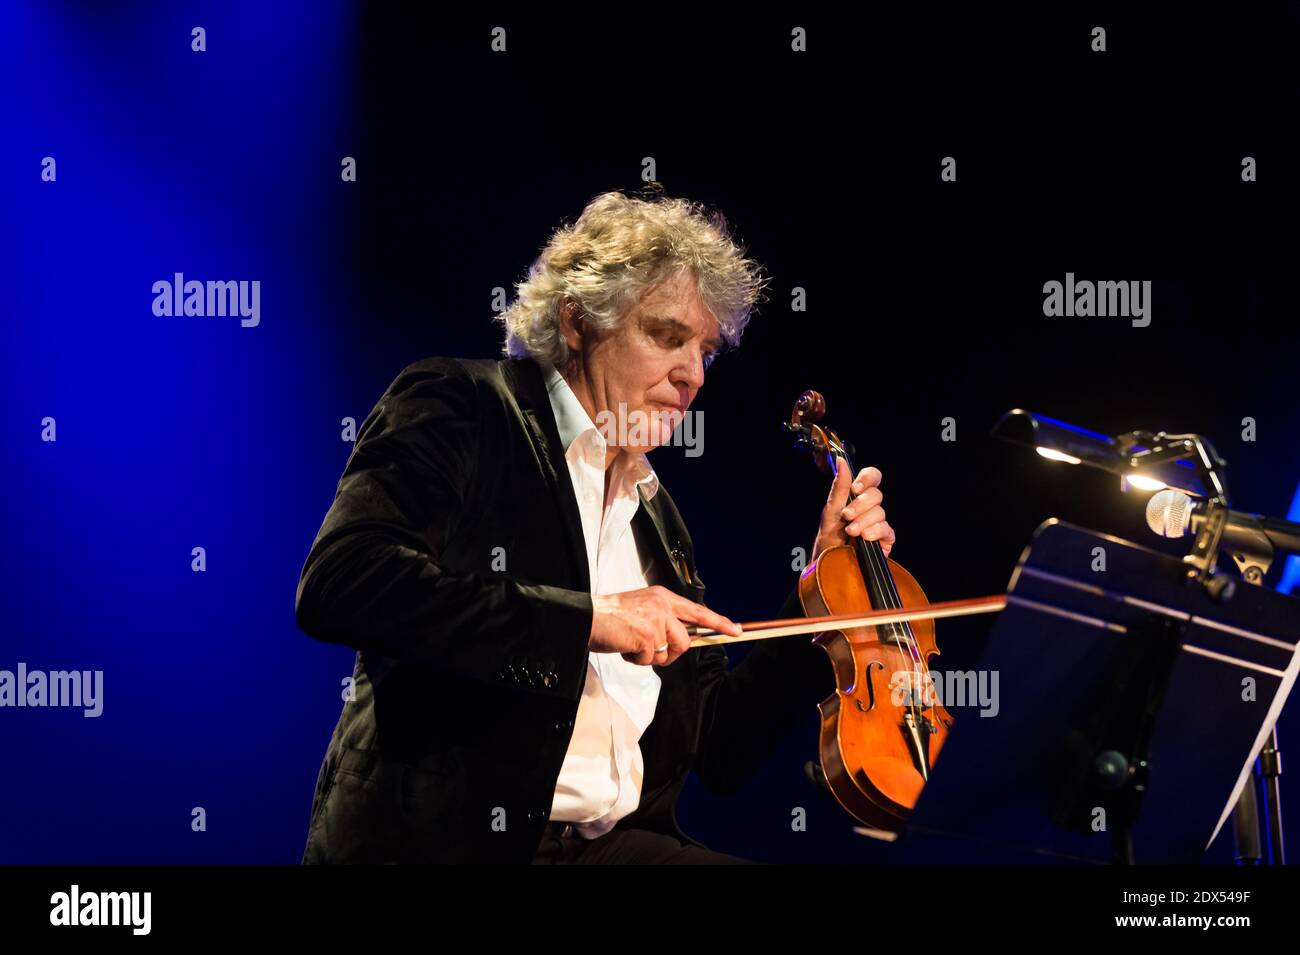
(571, 326)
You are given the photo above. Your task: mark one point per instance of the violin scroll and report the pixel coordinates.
(823, 443)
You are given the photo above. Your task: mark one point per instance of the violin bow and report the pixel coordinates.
(767, 629)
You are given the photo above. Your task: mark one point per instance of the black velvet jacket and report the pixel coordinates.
(468, 676)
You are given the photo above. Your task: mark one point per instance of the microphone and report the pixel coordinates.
(1172, 514)
(1169, 513)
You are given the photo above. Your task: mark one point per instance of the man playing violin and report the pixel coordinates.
(517, 583)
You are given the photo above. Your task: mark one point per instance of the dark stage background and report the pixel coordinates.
(924, 303)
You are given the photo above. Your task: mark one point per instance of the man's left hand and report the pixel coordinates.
(864, 517)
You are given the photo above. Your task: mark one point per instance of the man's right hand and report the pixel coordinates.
(648, 626)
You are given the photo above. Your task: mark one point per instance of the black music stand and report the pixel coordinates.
(1120, 702)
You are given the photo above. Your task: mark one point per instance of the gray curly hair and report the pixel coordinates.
(620, 247)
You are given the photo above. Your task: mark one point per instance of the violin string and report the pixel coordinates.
(885, 583)
(882, 577)
(884, 586)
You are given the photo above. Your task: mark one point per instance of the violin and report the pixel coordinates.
(884, 726)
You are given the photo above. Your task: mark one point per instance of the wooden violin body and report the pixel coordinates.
(884, 726)
(869, 753)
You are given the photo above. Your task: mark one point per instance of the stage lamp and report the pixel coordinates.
(1143, 460)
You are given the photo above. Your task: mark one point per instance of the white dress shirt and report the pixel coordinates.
(600, 780)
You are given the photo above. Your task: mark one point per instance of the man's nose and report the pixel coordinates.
(691, 371)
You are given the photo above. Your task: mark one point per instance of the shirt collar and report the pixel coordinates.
(574, 424)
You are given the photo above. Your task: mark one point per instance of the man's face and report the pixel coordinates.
(651, 366)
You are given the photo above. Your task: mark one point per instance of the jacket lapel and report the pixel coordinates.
(524, 377)
(670, 553)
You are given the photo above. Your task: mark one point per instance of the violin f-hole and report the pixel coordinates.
(871, 688)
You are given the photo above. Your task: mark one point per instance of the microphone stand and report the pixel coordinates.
(1253, 559)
